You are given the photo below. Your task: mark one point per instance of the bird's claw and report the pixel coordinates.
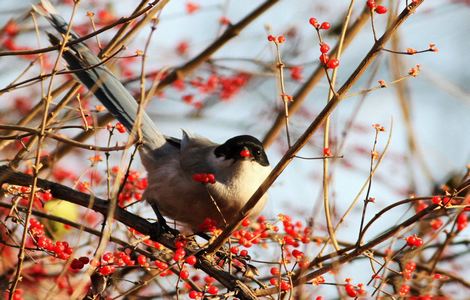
(161, 226)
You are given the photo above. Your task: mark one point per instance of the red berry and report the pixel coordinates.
(244, 253)
(325, 26)
(326, 152)
(120, 127)
(46, 196)
(192, 7)
(106, 270)
(142, 260)
(419, 242)
(84, 260)
(211, 178)
(414, 241)
(11, 28)
(324, 48)
(350, 290)
(332, 63)
(285, 285)
(324, 59)
(411, 240)
(436, 200)
(209, 280)
(297, 254)
(191, 260)
(213, 290)
(161, 265)
(193, 294)
(446, 201)
(107, 256)
(245, 153)
(179, 254)
(281, 39)
(275, 271)
(271, 38)
(246, 222)
(436, 224)
(303, 264)
(462, 221)
(313, 22)
(184, 274)
(234, 250)
(200, 177)
(420, 206)
(76, 264)
(182, 48)
(380, 9)
(371, 4)
(404, 290)
(179, 244)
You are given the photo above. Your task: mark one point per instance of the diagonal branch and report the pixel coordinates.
(301, 95)
(59, 191)
(302, 141)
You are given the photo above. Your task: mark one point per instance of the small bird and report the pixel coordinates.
(177, 168)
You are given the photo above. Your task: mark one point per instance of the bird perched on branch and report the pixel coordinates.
(190, 179)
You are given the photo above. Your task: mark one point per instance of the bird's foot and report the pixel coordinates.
(161, 227)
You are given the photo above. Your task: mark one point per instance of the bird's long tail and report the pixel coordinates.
(97, 78)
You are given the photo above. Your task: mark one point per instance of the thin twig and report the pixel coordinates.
(314, 126)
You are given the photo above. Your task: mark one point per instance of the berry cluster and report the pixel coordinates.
(120, 127)
(318, 26)
(329, 63)
(204, 178)
(462, 221)
(208, 225)
(209, 288)
(414, 241)
(380, 9)
(225, 86)
(79, 263)
(180, 257)
(8, 41)
(410, 267)
(277, 40)
(17, 295)
(133, 188)
(440, 201)
(23, 193)
(296, 73)
(404, 290)
(58, 249)
(109, 262)
(354, 291)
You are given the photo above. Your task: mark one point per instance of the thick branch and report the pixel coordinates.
(143, 226)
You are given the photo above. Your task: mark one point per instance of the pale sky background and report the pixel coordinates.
(439, 101)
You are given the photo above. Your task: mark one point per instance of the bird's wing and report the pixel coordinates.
(194, 154)
(97, 78)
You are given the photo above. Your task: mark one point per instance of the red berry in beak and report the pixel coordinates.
(245, 153)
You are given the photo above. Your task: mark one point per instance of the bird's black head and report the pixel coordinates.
(243, 147)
